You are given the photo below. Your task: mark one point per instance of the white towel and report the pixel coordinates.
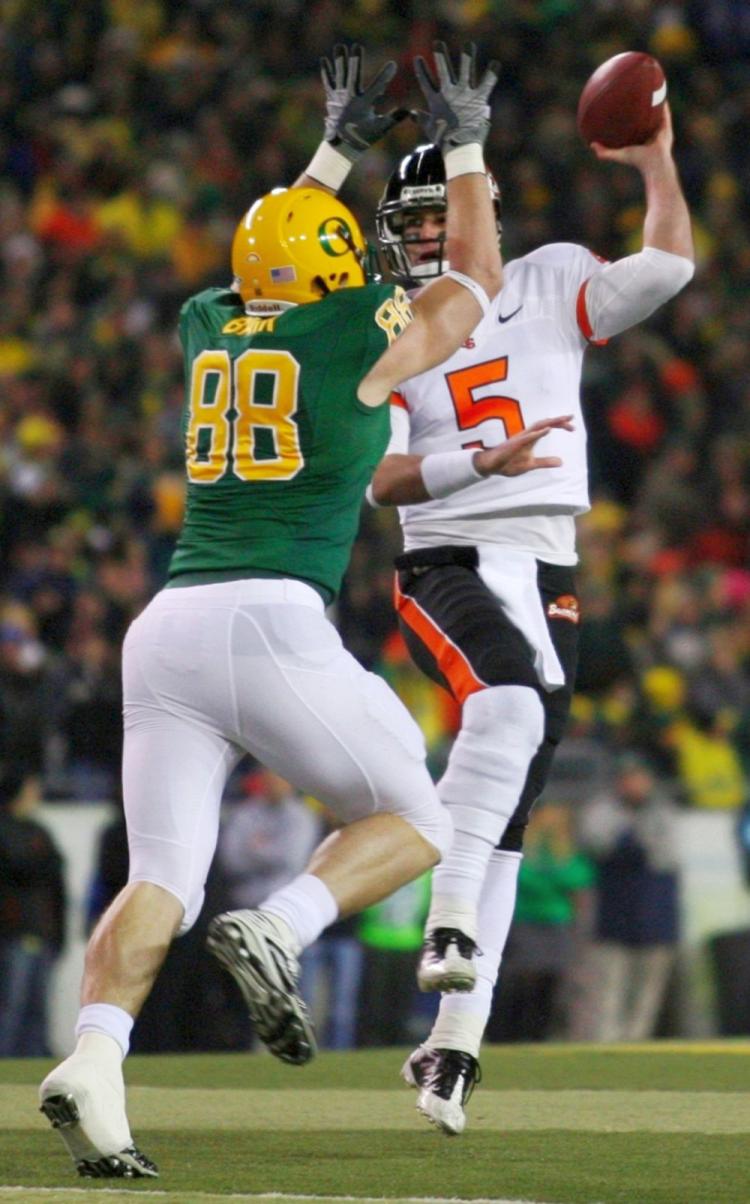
(512, 577)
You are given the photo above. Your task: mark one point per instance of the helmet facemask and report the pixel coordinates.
(393, 219)
(417, 186)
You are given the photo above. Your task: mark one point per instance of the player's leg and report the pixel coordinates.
(613, 964)
(652, 966)
(451, 1051)
(460, 634)
(308, 710)
(174, 769)
(445, 1068)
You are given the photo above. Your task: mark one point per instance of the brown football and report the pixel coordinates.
(622, 103)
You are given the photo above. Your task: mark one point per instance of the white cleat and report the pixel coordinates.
(447, 961)
(445, 1079)
(257, 949)
(86, 1105)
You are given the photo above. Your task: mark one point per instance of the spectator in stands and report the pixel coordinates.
(32, 916)
(632, 835)
(91, 720)
(391, 932)
(265, 839)
(27, 691)
(330, 982)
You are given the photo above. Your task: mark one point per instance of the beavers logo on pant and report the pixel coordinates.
(565, 607)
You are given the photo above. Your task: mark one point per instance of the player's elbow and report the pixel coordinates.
(377, 491)
(380, 491)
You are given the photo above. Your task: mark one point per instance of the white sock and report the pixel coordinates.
(457, 884)
(306, 905)
(106, 1019)
(462, 1018)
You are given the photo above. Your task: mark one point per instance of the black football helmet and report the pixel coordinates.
(418, 183)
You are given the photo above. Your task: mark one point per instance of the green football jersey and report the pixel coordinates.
(278, 448)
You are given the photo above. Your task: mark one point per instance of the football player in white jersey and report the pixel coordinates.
(485, 589)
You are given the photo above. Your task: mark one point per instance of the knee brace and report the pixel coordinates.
(501, 730)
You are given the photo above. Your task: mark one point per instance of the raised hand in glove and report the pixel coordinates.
(351, 124)
(458, 108)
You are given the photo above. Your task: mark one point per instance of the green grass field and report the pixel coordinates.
(658, 1124)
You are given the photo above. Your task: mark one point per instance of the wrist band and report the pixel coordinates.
(444, 473)
(463, 160)
(329, 167)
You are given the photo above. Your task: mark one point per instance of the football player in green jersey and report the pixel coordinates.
(286, 373)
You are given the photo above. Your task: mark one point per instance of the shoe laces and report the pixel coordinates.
(445, 1069)
(440, 938)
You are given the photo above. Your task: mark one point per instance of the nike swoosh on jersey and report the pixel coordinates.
(507, 317)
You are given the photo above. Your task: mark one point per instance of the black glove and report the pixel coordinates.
(352, 125)
(458, 108)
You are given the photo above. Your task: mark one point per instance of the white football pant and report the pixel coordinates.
(211, 672)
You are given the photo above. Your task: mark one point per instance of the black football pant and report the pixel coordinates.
(458, 634)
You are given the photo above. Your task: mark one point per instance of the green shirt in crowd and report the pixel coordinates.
(547, 886)
(397, 922)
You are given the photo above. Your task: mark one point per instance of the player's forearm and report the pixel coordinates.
(307, 181)
(327, 170)
(404, 480)
(471, 232)
(398, 482)
(445, 313)
(667, 223)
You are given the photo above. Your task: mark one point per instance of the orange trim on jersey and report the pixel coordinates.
(450, 660)
(582, 318)
(398, 400)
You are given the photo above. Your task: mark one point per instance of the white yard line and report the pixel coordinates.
(290, 1197)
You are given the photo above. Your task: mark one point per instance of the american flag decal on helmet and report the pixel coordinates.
(285, 275)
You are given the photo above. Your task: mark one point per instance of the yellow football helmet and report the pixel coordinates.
(295, 245)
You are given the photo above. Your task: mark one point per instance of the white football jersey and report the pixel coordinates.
(522, 363)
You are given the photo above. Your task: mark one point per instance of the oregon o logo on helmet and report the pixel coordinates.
(335, 237)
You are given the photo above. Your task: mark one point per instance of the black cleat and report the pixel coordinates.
(447, 961)
(255, 947)
(445, 1079)
(129, 1163)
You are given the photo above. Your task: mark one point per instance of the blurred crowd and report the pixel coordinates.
(133, 137)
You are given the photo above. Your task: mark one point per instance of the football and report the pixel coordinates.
(622, 103)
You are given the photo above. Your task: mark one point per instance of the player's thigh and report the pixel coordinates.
(308, 710)
(455, 628)
(557, 585)
(557, 590)
(174, 773)
(176, 757)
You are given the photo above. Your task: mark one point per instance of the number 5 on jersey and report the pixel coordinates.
(471, 411)
(233, 417)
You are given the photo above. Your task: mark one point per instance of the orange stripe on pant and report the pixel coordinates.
(450, 660)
